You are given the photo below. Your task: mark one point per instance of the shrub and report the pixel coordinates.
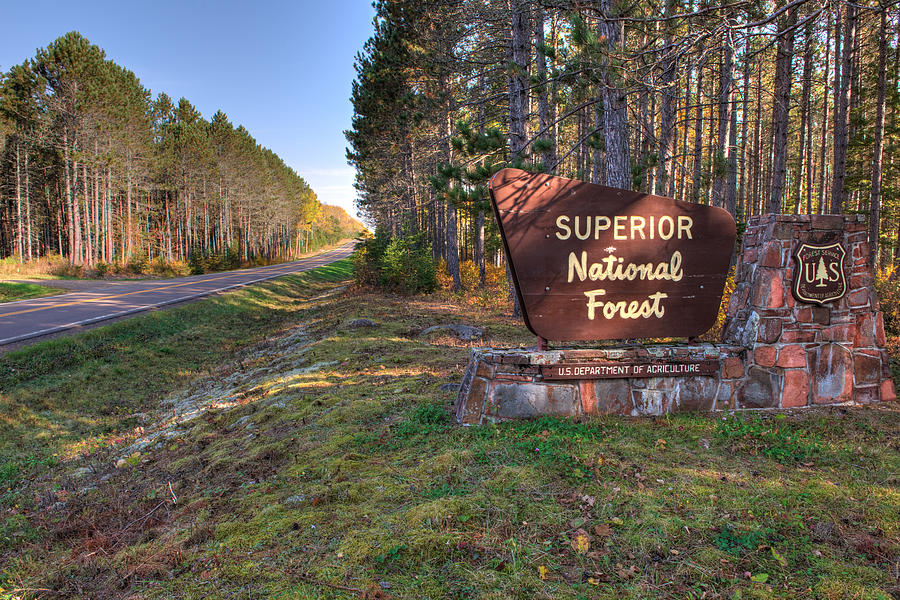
(103, 268)
(402, 263)
(66, 269)
(137, 263)
(207, 261)
(367, 259)
(407, 265)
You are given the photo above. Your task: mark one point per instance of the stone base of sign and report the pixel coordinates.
(508, 384)
(776, 352)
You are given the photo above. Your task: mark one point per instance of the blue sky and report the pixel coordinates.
(282, 69)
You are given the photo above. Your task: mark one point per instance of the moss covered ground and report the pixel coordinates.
(256, 445)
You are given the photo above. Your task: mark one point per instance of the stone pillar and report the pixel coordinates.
(813, 355)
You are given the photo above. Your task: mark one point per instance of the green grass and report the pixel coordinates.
(57, 396)
(10, 292)
(331, 468)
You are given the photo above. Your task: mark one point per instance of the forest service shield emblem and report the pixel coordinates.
(819, 273)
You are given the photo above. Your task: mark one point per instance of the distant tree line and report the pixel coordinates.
(754, 106)
(94, 169)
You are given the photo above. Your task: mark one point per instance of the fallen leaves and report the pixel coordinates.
(581, 542)
(624, 573)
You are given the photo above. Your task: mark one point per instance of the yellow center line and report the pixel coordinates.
(87, 300)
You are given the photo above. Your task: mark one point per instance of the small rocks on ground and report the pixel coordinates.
(463, 332)
(450, 387)
(360, 323)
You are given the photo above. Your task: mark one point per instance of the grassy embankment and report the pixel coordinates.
(10, 292)
(322, 463)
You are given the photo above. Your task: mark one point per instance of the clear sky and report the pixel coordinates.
(281, 69)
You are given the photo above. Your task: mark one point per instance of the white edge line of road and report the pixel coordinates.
(125, 313)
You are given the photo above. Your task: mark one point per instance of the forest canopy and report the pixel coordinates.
(92, 167)
(754, 106)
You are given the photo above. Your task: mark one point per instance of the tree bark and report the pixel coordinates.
(781, 109)
(841, 125)
(875, 197)
(516, 81)
(518, 97)
(20, 249)
(615, 126)
(698, 137)
(666, 150)
(802, 154)
(742, 192)
(540, 71)
(451, 234)
(824, 147)
(721, 157)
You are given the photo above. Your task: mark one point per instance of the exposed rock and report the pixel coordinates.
(450, 387)
(463, 332)
(361, 323)
(242, 422)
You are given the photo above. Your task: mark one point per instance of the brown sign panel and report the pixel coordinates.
(592, 262)
(612, 370)
(819, 273)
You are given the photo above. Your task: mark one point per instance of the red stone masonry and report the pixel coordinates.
(776, 352)
(807, 354)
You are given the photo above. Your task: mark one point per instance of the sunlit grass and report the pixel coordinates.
(11, 292)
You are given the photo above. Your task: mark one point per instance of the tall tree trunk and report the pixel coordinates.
(781, 109)
(615, 126)
(70, 166)
(129, 233)
(757, 147)
(698, 136)
(666, 150)
(802, 155)
(452, 239)
(742, 192)
(731, 184)
(88, 236)
(479, 245)
(517, 82)
(680, 181)
(20, 248)
(841, 125)
(27, 208)
(825, 96)
(721, 157)
(548, 156)
(875, 198)
(518, 96)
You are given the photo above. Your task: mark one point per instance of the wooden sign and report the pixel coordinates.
(591, 262)
(613, 370)
(819, 273)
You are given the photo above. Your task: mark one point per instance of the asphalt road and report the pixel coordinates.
(97, 301)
